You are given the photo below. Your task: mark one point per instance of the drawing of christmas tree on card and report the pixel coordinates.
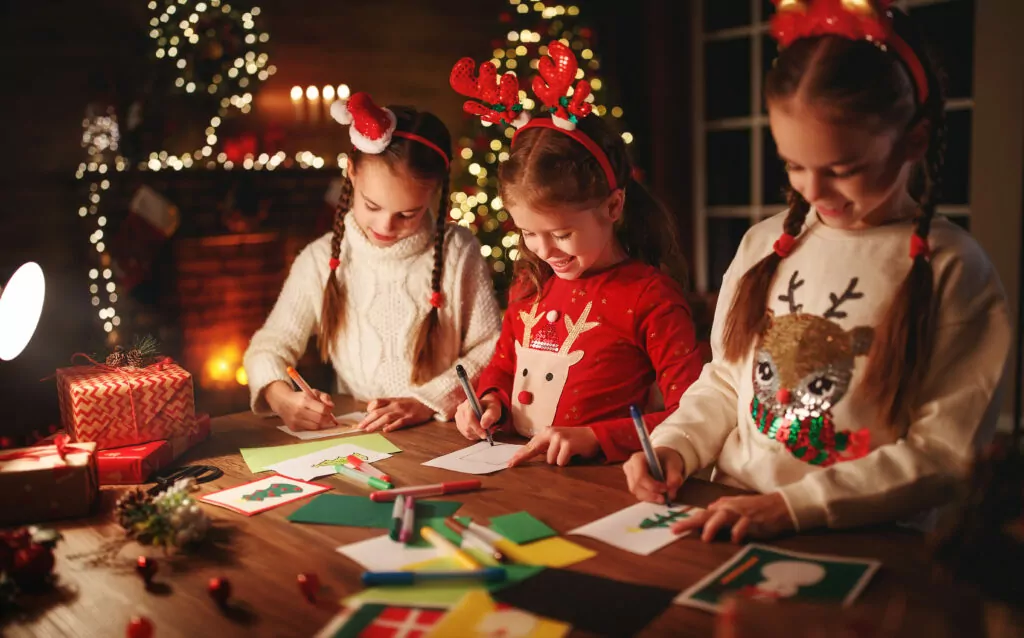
(767, 573)
(642, 528)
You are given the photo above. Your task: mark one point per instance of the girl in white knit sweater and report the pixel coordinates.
(395, 297)
(851, 383)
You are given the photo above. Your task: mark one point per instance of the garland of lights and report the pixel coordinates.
(219, 52)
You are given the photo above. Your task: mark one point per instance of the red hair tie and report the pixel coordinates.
(334, 263)
(436, 300)
(783, 246)
(919, 247)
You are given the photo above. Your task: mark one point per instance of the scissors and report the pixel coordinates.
(167, 478)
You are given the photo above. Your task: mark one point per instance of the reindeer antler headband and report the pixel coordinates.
(869, 20)
(372, 127)
(497, 101)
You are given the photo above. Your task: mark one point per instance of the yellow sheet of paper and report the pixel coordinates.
(477, 615)
(555, 552)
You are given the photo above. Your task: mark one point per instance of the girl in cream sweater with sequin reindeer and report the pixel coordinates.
(395, 296)
(851, 383)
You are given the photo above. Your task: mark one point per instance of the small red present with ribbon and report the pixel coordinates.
(48, 482)
(118, 406)
(132, 464)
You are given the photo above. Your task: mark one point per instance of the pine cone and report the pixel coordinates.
(133, 507)
(134, 358)
(117, 358)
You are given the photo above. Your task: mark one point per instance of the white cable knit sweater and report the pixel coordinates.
(388, 292)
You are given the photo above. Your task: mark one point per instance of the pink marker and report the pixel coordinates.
(408, 520)
(366, 468)
(419, 491)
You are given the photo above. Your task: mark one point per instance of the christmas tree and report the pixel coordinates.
(475, 204)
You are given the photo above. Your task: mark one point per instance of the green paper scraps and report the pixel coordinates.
(260, 458)
(521, 527)
(360, 511)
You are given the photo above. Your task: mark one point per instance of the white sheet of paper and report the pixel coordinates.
(381, 554)
(322, 462)
(348, 426)
(263, 494)
(642, 528)
(482, 458)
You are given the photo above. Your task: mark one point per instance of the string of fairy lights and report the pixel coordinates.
(218, 51)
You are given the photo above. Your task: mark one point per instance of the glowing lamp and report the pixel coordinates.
(21, 304)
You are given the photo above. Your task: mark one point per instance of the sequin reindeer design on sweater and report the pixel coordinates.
(542, 367)
(802, 368)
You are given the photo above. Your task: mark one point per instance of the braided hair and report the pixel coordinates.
(421, 161)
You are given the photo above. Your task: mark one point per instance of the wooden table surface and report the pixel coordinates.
(262, 554)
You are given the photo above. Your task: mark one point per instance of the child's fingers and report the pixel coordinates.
(537, 445)
(716, 521)
(398, 423)
(693, 522)
(564, 453)
(491, 415)
(739, 530)
(324, 398)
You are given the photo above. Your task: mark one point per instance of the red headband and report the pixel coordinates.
(582, 138)
(372, 127)
(850, 19)
(496, 100)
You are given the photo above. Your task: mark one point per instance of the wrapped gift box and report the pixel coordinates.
(133, 464)
(38, 485)
(200, 432)
(115, 407)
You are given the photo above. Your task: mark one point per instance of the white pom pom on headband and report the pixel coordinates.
(497, 102)
(372, 127)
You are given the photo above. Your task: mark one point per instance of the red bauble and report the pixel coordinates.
(32, 566)
(309, 585)
(6, 442)
(146, 567)
(139, 627)
(219, 589)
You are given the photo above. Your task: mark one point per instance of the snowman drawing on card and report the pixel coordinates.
(542, 367)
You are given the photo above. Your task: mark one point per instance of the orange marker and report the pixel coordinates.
(299, 381)
(365, 467)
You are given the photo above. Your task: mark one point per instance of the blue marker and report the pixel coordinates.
(653, 465)
(487, 575)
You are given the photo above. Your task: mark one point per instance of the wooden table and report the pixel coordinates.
(261, 555)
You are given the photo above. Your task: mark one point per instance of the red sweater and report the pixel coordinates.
(595, 346)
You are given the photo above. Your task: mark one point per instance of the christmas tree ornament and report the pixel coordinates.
(219, 589)
(309, 585)
(139, 627)
(146, 567)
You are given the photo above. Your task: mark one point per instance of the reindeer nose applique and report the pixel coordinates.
(525, 397)
(784, 396)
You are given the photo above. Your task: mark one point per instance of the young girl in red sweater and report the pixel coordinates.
(592, 322)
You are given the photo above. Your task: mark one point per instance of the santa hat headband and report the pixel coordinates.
(372, 127)
(496, 101)
(869, 20)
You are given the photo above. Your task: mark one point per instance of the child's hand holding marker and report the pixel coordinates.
(307, 409)
(469, 425)
(643, 485)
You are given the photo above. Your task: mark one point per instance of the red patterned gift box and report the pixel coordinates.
(38, 485)
(115, 407)
(133, 464)
(185, 442)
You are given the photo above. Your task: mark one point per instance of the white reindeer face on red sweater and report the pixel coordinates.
(542, 368)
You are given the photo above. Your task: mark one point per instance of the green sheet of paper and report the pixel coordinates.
(521, 527)
(259, 458)
(360, 511)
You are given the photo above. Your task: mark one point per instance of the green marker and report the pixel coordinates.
(366, 479)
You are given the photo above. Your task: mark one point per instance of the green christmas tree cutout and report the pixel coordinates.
(665, 520)
(341, 460)
(276, 490)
